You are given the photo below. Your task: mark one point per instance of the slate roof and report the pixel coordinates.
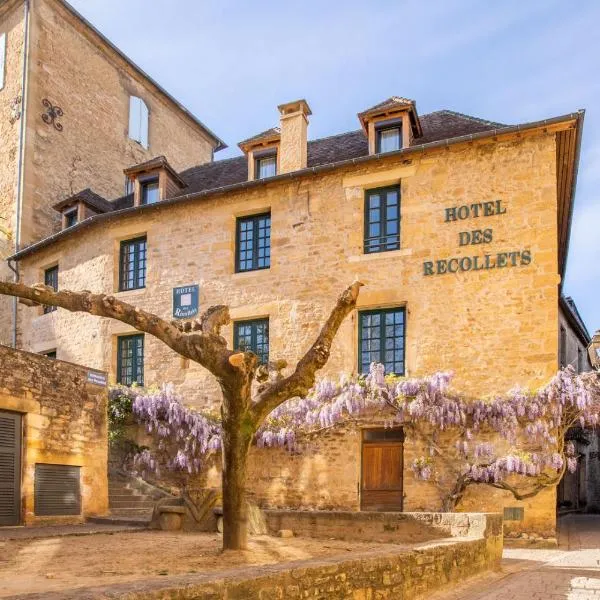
(158, 162)
(269, 133)
(392, 102)
(88, 197)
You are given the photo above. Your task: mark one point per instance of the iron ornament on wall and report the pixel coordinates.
(52, 114)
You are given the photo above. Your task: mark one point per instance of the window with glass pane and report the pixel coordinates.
(132, 264)
(382, 219)
(149, 192)
(253, 336)
(381, 339)
(389, 139)
(266, 167)
(130, 359)
(51, 279)
(71, 218)
(253, 243)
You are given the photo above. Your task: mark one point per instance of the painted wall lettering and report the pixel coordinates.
(474, 237)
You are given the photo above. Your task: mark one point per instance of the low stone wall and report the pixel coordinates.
(383, 573)
(384, 527)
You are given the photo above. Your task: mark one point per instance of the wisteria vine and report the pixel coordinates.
(530, 425)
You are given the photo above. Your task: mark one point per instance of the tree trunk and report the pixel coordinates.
(236, 439)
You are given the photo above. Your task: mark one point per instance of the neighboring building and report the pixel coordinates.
(53, 440)
(74, 112)
(458, 227)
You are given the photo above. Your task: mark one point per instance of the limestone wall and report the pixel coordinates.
(73, 69)
(64, 423)
(11, 24)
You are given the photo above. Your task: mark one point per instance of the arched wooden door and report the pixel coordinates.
(382, 470)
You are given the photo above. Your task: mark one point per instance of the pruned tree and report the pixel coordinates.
(244, 406)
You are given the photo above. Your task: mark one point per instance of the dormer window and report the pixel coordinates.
(388, 136)
(149, 193)
(266, 165)
(71, 217)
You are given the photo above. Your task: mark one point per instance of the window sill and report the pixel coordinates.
(381, 255)
(252, 273)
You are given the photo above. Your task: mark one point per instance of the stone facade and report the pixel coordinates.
(73, 67)
(484, 324)
(64, 423)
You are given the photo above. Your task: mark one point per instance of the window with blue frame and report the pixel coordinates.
(71, 218)
(149, 191)
(130, 359)
(382, 339)
(51, 280)
(382, 219)
(253, 243)
(252, 336)
(132, 264)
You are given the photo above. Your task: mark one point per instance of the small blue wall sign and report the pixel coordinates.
(96, 378)
(185, 301)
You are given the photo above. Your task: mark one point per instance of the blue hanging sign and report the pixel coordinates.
(185, 301)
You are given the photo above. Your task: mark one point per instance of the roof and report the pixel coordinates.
(220, 144)
(272, 133)
(440, 129)
(572, 315)
(88, 197)
(391, 104)
(158, 162)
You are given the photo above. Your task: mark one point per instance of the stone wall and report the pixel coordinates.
(74, 69)
(11, 24)
(377, 574)
(64, 423)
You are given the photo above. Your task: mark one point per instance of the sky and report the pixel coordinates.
(231, 62)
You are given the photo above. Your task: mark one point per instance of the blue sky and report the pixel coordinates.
(232, 62)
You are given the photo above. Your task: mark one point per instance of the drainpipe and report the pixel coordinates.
(19, 191)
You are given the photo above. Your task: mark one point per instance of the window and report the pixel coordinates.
(129, 187)
(2, 58)
(382, 219)
(71, 218)
(253, 243)
(149, 191)
(563, 347)
(49, 354)
(130, 359)
(138, 121)
(51, 279)
(132, 264)
(388, 137)
(265, 166)
(253, 336)
(381, 339)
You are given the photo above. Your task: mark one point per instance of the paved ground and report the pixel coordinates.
(570, 573)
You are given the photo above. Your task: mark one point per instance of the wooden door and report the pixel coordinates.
(10, 468)
(382, 470)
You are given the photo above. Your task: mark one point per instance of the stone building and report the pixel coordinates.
(53, 440)
(459, 228)
(73, 106)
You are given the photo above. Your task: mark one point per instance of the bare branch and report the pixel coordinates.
(205, 349)
(303, 377)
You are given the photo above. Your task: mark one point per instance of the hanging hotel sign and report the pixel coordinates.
(185, 301)
(476, 237)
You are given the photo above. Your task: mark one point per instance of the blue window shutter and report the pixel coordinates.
(2, 58)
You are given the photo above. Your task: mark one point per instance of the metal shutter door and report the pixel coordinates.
(57, 490)
(10, 468)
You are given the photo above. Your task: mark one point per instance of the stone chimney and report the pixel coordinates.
(293, 145)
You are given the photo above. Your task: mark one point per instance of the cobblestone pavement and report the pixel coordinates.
(570, 573)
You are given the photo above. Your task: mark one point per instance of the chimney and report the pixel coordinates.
(293, 125)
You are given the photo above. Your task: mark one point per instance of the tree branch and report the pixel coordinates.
(206, 349)
(303, 377)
